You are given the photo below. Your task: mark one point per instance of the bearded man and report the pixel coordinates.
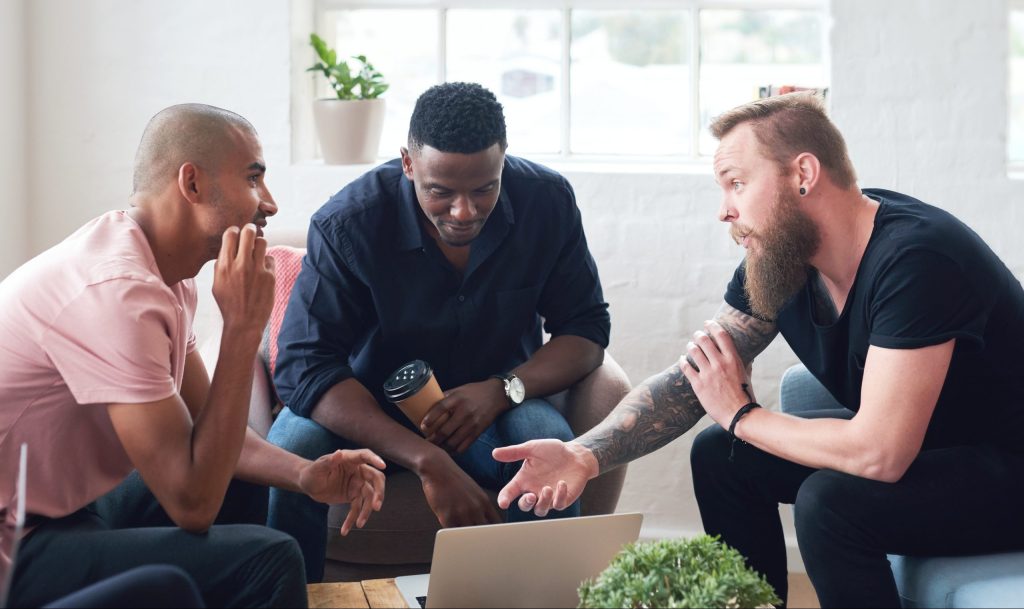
(904, 315)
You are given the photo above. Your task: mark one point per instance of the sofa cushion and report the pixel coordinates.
(288, 262)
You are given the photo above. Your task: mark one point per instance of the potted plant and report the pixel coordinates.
(348, 125)
(698, 572)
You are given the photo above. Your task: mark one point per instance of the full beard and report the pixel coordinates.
(776, 272)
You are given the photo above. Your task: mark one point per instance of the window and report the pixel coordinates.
(1016, 136)
(586, 77)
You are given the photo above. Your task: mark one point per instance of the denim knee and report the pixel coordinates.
(303, 436)
(534, 419)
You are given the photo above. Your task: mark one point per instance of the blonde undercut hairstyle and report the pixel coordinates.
(790, 125)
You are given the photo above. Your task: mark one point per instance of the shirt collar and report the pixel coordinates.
(410, 236)
(410, 233)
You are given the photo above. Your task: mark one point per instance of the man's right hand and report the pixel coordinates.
(455, 498)
(552, 477)
(243, 279)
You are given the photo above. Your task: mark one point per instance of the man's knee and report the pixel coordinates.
(827, 502)
(303, 436)
(710, 450)
(260, 544)
(272, 567)
(533, 420)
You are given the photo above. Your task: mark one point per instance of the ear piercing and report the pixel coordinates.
(803, 191)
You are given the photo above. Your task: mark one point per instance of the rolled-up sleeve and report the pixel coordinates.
(326, 307)
(572, 301)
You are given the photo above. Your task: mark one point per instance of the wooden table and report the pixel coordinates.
(362, 595)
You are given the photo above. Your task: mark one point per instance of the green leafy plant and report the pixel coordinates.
(361, 82)
(698, 572)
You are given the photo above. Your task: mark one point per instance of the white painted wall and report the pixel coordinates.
(918, 87)
(13, 96)
(99, 69)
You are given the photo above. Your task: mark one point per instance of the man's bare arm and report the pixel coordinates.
(664, 406)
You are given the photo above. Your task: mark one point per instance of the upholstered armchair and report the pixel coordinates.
(399, 539)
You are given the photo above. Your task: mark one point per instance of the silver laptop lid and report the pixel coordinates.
(525, 564)
(14, 541)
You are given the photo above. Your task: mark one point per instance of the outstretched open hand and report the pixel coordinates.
(553, 475)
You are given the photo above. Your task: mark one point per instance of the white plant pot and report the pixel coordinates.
(349, 130)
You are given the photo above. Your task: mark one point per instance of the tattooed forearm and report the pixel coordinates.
(664, 406)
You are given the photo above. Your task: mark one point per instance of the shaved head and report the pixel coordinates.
(186, 133)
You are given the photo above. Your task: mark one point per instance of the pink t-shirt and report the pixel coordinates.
(87, 323)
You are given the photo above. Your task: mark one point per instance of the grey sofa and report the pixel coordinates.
(987, 580)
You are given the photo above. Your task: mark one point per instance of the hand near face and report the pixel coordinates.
(719, 375)
(243, 279)
(457, 421)
(346, 476)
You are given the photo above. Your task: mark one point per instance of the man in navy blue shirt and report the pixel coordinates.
(454, 254)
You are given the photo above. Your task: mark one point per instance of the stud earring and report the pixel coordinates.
(803, 191)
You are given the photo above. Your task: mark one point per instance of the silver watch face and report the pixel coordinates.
(516, 389)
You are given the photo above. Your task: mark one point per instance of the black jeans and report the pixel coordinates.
(148, 587)
(234, 565)
(951, 501)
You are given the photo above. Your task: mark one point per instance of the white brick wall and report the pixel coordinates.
(918, 87)
(14, 202)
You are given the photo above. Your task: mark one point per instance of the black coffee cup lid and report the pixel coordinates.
(407, 380)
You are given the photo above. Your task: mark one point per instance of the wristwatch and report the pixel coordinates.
(515, 391)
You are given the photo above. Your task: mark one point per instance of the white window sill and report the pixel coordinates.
(572, 165)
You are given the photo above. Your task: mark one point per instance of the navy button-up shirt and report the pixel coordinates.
(375, 291)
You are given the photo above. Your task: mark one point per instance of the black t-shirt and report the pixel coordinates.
(925, 278)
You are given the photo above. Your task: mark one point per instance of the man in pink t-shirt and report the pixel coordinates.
(99, 376)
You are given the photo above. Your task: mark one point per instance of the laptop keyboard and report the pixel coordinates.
(422, 600)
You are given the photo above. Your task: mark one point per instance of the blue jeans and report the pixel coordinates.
(306, 520)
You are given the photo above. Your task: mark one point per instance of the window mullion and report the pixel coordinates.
(695, 67)
(565, 123)
(442, 44)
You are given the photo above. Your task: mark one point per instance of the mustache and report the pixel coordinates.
(739, 231)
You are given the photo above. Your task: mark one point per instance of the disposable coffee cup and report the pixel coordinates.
(413, 389)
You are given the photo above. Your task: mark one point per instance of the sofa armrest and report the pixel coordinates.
(800, 392)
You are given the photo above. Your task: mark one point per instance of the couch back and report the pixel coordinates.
(208, 322)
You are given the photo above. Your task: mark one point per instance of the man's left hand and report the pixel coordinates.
(465, 412)
(716, 373)
(346, 476)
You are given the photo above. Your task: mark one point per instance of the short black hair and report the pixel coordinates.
(459, 117)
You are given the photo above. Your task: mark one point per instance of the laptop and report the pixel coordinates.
(18, 504)
(523, 564)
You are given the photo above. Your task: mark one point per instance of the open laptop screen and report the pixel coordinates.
(11, 537)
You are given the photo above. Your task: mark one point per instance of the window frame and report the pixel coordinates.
(312, 13)
(1015, 167)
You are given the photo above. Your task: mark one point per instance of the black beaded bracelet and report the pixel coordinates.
(732, 426)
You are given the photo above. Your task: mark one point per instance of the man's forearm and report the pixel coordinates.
(558, 364)
(350, 411)
(664, 407)
(263, 463)
(659, 410)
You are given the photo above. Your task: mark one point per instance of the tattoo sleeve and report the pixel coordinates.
(664, 407)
